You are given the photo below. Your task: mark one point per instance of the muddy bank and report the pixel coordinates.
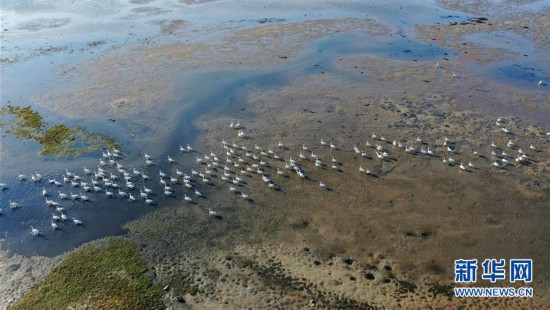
(19, 273)
(384, 239)
(414, 211)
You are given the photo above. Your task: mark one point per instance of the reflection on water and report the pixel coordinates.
(528, 64)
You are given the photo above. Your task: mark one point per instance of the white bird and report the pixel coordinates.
(332, 146)
(304, 147)
(212, 212)
(108, 193)
(471, 165)
(361, 169)
(122, 194)
(77, 222)
(197, 193)
(63, 216)
(84, 198)
(171, 160)
(187, 198)
(44, 192)
(322, 185)
(280, 144)
(148, 201)
(35, 232)
(355, 149)
(532, 147)
(131, 198)
(13, 204)
(462, 166)
(540, 83)
(323, 142)
(34, 178)
(87, 171)
(142, 194)
(55, 217)
(21, 177)
(244, 196)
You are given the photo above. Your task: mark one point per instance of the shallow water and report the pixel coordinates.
(528, 64)
(199, 91)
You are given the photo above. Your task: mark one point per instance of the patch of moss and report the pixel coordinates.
(25, 122)
(57, 140)
(109, 274)
(183, 284)
(438, 289)
(406, 287)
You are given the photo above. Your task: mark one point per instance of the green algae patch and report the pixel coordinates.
(24, 123)
(56, 140)
(107, 274)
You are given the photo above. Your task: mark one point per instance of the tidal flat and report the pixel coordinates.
(376, 144)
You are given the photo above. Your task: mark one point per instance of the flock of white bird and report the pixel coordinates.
(111, 178)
